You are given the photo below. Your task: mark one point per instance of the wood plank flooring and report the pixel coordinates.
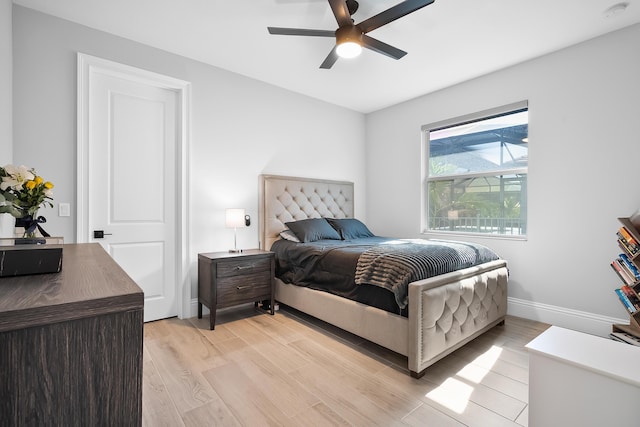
(292, 370)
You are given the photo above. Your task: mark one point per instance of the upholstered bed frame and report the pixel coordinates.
(445, 312)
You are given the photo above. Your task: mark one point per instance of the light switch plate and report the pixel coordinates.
(64, 209)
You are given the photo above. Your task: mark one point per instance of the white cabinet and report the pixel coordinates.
(577, 379)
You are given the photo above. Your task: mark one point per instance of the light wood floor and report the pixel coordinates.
(291, 370)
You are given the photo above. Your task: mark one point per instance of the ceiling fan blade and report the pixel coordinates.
(341, 12)
(381, 47)
(393, 13)
(300, 32)
(330, 59)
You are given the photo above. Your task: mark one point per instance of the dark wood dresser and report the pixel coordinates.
(71, 344)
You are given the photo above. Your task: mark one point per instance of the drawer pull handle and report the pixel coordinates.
(244, 267)
(242, 288)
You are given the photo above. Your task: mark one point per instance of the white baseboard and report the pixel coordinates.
(194, 308)
(582, 321)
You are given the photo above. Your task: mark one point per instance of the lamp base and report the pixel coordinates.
(235, 251)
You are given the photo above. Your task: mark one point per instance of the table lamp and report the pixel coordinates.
(235, 219)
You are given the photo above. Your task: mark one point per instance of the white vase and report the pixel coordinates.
(7, 225)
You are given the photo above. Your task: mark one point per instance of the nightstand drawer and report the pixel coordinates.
(246, 288)
(243, 267)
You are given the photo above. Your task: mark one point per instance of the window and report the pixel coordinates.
(476, 173)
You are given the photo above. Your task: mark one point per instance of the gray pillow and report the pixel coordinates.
(312, 229)
(350, 228)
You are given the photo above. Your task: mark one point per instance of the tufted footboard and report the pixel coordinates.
(449, 310)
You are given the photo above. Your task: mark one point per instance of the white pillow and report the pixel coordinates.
(288, 235)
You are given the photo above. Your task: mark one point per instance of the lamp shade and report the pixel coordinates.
(234, 218)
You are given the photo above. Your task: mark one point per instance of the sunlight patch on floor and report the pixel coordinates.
(481, 365)
(489, 357)
(455, 393)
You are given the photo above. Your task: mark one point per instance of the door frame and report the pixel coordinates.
(86, 66)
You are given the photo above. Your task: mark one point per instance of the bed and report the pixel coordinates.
(443, 312)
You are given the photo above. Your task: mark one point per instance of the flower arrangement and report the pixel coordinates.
(22, 193)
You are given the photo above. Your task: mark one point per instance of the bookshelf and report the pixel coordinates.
(627, 268)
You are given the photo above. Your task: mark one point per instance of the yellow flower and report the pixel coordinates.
(30, 185)
(48, 185)
(38, 180)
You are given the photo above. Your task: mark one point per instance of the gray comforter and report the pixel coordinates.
(393, 265)
(375, 270)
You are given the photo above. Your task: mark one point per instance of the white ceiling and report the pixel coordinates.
(448, 42)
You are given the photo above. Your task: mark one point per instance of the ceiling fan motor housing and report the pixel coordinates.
(349, 34)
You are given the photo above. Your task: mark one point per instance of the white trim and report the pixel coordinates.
(86, 64)
(472, 117)
(583, 321)
(183, 278)
(193, 308)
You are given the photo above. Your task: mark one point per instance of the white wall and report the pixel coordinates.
(583, 151)
(6, 66)
(240, 128)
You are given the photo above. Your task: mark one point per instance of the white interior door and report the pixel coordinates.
(133, 132)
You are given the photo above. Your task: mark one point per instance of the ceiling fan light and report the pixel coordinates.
(348, 49)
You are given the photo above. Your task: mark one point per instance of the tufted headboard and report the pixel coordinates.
(287, 198)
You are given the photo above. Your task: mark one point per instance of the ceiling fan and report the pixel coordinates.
(350, 37)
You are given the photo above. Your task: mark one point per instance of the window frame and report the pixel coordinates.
(456, 121)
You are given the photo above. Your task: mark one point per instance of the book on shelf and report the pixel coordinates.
(626, 278)
(625, 338)
(627, 236)
(624, 234)
(625, 301)
(630, 266)
(632, 296)
(632, 250)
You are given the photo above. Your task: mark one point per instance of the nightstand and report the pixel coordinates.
(226, 279)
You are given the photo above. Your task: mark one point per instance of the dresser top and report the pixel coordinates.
(90, 283)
